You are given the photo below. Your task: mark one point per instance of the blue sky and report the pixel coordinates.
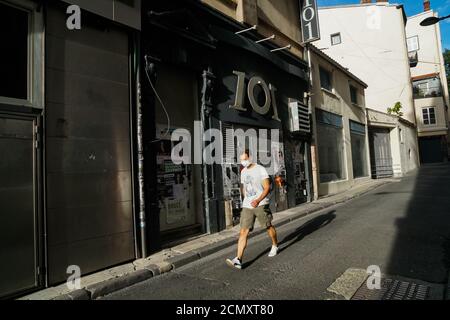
(412, 7)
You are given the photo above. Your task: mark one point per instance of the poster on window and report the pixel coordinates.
(298, 161)
(173, 181)
(176, 210)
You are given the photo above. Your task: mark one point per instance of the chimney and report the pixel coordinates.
(426, 5)
(366, 1)
(382, 0)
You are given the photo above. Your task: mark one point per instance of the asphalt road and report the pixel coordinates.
(403, 227)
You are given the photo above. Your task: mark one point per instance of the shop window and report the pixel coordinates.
(21, 56)
(14, 66)
(359, 154)
(330, 146)
(353, 94)
(336, 39)
(325, 79)
(413, 43)
(427, 88)
(429, 116)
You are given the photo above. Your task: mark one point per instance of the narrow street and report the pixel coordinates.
(401, 227)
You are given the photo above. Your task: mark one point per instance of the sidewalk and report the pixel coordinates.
(114, 279)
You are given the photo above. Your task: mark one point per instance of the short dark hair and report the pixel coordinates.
(246, 152)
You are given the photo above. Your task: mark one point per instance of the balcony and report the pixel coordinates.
(427, 88)
(413, 58)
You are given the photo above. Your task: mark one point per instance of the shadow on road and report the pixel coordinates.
(299, 234)
(422, 246)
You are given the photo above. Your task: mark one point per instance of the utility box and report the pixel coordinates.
(299, 118)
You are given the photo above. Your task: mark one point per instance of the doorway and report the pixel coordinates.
(431, 149)
(380, 153)
(19, 220)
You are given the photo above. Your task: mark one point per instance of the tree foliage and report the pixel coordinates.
(396, 109)
(447, 65)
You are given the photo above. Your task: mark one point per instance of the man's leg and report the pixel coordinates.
(273, 235)
(265, 218)
(242, 244)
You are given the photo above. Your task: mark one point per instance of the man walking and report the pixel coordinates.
(255, 186)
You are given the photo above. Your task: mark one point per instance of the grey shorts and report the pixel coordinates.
(262, 213)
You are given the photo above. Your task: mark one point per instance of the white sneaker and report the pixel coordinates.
(273, 252)
(235, 263)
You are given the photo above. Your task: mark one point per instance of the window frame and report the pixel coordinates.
(418, 44)
(323, 69)
(334, 35)
(326, 119)
(36, 56)
(356, 91)
(426, 116)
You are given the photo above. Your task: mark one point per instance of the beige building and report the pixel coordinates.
(370, 39)
(429, 81)
(399, 139)
(340, 144)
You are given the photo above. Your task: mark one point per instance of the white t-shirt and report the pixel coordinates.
(252, 180)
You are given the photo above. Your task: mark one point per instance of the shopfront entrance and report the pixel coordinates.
(19, 218)
(179, 188)
(380, 153)
(253, 95)
(190, 56)
(432, 149)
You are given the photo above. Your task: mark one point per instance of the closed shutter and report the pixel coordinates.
(89, 180)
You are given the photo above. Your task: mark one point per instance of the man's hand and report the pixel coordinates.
(255, 203)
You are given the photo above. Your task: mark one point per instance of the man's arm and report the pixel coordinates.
(266, 186)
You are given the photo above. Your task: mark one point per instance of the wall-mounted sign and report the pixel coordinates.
(309, 17)
(269, 93)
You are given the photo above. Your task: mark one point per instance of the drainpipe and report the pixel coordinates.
(140, 155)
(208, 170)
(315, 180)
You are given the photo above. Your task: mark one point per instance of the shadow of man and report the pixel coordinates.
(299, 234)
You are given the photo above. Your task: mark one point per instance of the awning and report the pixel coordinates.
(242, 42)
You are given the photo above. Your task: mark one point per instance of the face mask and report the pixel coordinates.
(245, 163)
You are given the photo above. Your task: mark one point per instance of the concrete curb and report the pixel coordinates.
(104, 288)
(215, 247)
(146, 272)
(81, 294)
(183, 259)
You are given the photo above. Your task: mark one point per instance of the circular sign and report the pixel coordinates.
(257, 81)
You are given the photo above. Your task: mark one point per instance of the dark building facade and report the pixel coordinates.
(198, 69)
(67, 178)
(86, 122)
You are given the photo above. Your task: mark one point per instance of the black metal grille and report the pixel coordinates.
(393, 290)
